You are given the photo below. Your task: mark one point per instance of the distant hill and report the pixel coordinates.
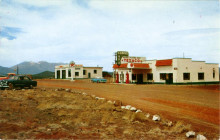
(5, 70)
(35, 67)
(44, 75)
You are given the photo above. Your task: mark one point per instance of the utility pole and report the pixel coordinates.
(17, 69)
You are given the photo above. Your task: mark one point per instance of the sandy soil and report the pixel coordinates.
(50, 114)
(47, 113)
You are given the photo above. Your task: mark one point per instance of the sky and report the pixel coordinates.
(88, 32)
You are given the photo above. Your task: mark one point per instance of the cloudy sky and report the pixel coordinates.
(90, 31)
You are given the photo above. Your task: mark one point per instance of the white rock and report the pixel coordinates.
(84, 93)
(156, 118)
(190, 134)
(170, 123)
(147, 115)
(110, 102)
(98, 98)
(122, 107)
(128, 107)
(43, 89)
(133, 109)
(67, 90)
(93, 96)
(201, 137)
(138, 111)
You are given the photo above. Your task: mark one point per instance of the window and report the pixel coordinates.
(77, 68)
(201, 76)
(69, 73)
(213, 73)
(162, 76)
(133, 76)
(84, 72)
(76, 73)
(186, 76)
(95, 71)
(26, 78)
(150, 76)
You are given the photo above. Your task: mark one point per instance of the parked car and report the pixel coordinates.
(17, 81)
(98, 80)
(9, 75)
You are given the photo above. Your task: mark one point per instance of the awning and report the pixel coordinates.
(132, 65)
(167, 62)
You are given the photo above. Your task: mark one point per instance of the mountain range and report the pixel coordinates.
(30, 67)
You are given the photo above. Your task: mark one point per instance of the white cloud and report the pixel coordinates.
(65, 31)
(42, 3)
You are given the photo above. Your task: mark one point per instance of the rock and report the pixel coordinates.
(67, 90)
(23, 89)
(128, 107)
(156, 118)
(122, 107)
(201, 137)
(84, 93)
(190, 134)
(133, 109)
(138, 111)
(140, 117)
(43, 89)
(117, 103)
(147, 115)
(98, 98)
(60, 89)
(93, 96)
(170, 123)
(110, 102)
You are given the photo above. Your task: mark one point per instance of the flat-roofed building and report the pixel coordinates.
(131, 69)
(77, 71)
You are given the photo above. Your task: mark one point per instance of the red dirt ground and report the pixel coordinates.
(198, 105)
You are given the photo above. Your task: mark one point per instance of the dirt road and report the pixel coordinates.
(197, 105)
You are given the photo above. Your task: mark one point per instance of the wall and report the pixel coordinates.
(160, 69)
(91, 71)
(194, 67)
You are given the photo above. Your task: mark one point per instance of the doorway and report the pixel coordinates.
(89, 75)
(122, 77)
(58, 74)
(139, 78)
(169, 78)
(63, 74)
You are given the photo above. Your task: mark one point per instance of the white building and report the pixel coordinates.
(170, 71)
(75, 71)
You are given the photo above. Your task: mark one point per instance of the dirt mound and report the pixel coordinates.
(53, 114)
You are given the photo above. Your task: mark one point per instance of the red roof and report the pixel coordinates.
(137, 65)
(132, 65)
(120, 66)
(167, 62)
